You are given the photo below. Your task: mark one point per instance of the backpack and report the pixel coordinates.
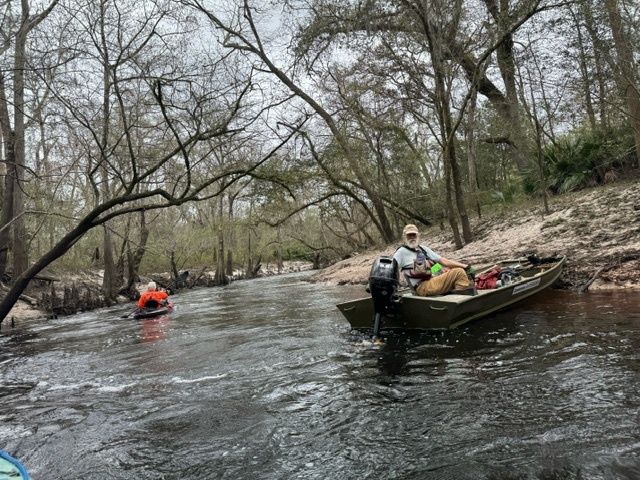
(488, 281)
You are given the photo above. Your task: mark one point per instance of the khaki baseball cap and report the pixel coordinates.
(410, 228)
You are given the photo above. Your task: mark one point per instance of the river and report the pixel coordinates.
(263, 379)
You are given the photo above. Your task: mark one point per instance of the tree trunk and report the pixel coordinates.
(543, 177)
(229, 263)
(20, 283)
(7, 210)
(600, 47)
(627, 79)
(109, 287)
(443, 111)
(451, 212)
(221, 277)
(500, 12)
(16, 137)
(584, 72)
(474, 185)
(279, 252)
(249, 251)
(20, 241)
(134, 258)
(174, 267)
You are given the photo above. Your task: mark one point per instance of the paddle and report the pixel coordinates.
(128, 314)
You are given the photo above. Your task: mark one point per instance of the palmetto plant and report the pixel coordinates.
(584, 160)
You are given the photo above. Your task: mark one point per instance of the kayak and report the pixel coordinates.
(11, 469)
(153, 312)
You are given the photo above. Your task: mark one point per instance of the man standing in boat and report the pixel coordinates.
(152, 298)
(424, 268)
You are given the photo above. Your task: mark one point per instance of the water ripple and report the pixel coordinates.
(263, 380)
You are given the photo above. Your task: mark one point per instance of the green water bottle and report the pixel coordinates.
(436, 270)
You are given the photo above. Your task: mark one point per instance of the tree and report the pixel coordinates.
(168, 114)
(15, 33)
(442, 97)
(241, 34)
(462, 42)
(627, 69)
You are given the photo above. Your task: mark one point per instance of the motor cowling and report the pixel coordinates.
(383, 284)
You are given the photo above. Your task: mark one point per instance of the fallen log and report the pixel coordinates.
(30, 300)
(586, 286)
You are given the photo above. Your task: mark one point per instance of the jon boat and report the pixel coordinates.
(148, 312)
(391, 308)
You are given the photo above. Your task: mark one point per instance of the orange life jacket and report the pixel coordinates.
(153, 297)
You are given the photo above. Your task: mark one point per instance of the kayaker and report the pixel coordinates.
(152, 298)
(430, 273)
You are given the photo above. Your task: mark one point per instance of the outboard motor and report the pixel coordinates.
(383, 284)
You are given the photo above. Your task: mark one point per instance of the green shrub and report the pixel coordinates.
(584, 159)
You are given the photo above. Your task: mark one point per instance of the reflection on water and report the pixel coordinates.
(154, 328)
(263, 379)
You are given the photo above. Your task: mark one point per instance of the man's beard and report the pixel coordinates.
(412, 243)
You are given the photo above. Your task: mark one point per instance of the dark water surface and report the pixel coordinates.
(263, 380)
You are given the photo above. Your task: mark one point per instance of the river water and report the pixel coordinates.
(263, 379)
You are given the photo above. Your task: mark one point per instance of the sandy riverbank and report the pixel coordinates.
(597, 229)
